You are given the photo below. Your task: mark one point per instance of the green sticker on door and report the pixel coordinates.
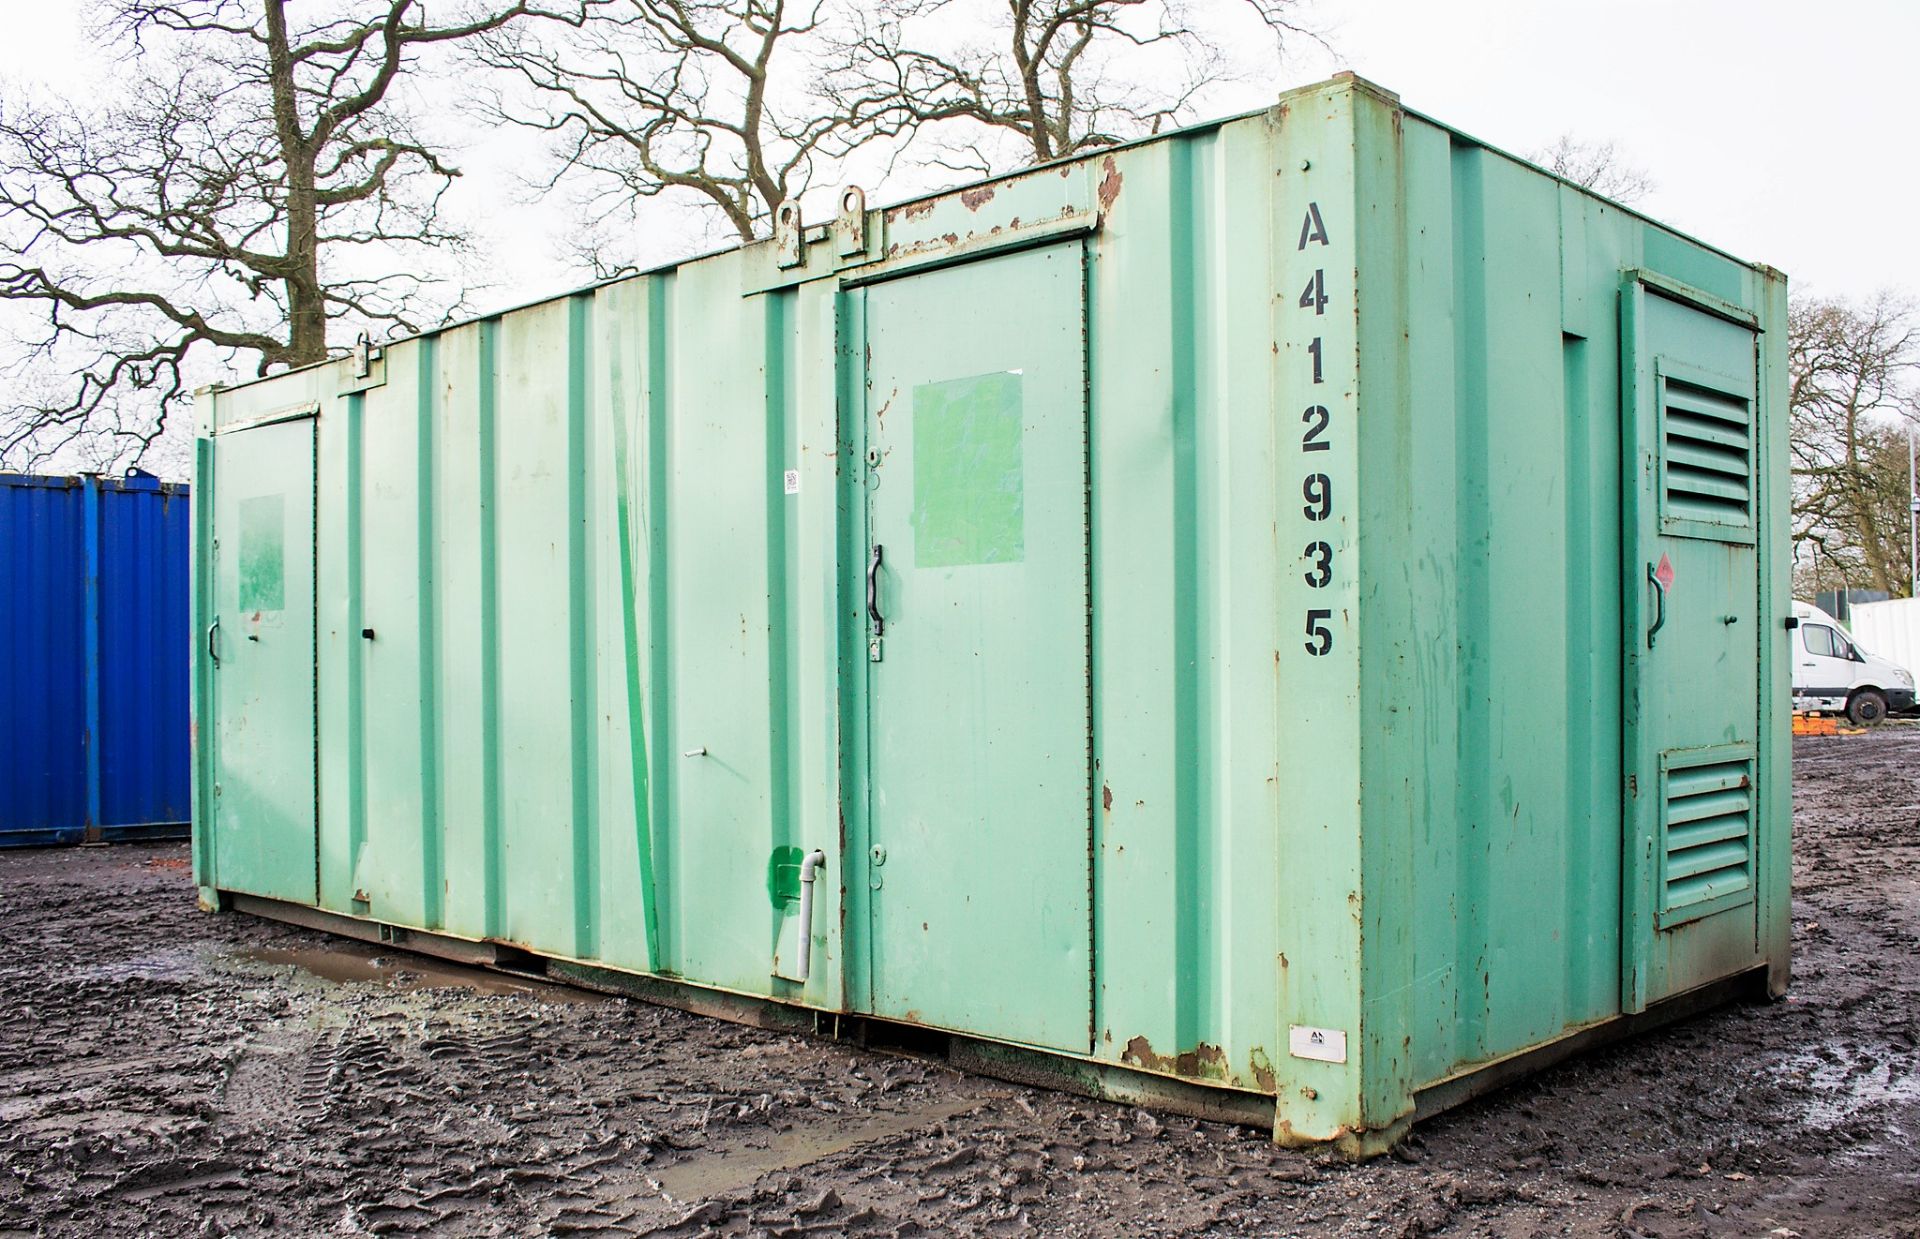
(263, 557)
(969, 505)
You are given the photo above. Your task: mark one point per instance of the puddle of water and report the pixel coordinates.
(733, 1167)
(1841, 1095)
(166, 964)
(410, 972)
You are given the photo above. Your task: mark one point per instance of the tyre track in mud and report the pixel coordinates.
(167, 1072)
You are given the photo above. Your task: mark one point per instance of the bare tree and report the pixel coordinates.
(1058, 76)
(254, 181)
(708, 100)
(1853, 403)
(1597, 165)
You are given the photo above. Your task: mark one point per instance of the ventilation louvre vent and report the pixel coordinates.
(1707, 456)
(1709, 837)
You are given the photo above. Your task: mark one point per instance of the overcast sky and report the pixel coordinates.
(1782, 132)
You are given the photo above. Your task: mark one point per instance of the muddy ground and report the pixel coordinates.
(165, 1072)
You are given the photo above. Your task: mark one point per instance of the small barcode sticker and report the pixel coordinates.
(793, 481)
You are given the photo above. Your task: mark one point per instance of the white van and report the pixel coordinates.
(1832, 673)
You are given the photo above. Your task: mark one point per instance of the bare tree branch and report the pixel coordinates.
(1060, 76)
(212, 206)
(1853, 397)
(1597, 165)
(712, 100)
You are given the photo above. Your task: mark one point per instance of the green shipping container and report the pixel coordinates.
(1283, 619)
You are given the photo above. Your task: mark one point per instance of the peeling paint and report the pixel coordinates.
(1203, 1061)
(1262, 1068)
(977, 197)
(1110, 184)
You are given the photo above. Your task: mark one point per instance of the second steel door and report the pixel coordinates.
(1694, 650)
(979, 795)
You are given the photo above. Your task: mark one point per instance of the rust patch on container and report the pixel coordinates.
(977, 197)
(951, 238)
(1203, 1061)
(1106, 798)
(913, 210)
(1285, 1134)
(1262, 1069)
(1109, 185)
(1139, 1053)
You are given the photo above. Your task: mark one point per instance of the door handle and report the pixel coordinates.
(1660, 604)
(873, 591)
(213, 651)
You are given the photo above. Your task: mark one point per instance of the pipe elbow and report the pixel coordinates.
(809, 867)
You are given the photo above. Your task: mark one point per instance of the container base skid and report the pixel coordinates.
(1014, 1064)
(70, 836)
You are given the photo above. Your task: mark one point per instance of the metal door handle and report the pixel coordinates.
(1660, 608)
(213, 651)
(873, 591)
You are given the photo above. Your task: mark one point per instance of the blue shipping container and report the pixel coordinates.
(94, 659)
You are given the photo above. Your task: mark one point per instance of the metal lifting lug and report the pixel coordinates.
(789, 241)
(363, 354)
(851, 227)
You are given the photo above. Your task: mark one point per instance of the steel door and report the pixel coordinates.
(261, 645)
(979, 788)
(1693, 642)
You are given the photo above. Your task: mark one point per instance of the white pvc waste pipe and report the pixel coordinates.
(814, 860)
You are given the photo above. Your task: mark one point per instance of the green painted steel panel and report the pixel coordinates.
(259, 655)
(978, 793)
(1334, 573)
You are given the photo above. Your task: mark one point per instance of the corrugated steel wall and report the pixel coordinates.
(568, 527)
(94, 658)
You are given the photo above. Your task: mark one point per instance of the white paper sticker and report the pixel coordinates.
(793, 481)
(1328, 1045)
